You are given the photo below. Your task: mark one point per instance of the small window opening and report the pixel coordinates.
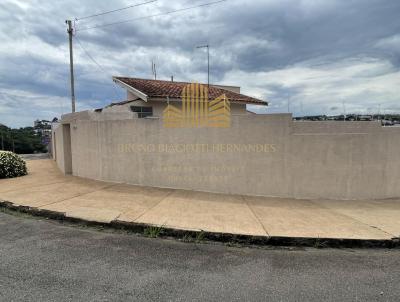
(142, 111)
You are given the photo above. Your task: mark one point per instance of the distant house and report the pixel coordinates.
(42, 127)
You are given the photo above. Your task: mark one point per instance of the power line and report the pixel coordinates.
(115, 10)
(88, 54)
(152, 16)
(95, 62)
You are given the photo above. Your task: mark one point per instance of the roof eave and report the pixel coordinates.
(175, 99)
(258, 103)
(136, 92)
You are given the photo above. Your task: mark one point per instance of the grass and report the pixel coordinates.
(200, 236)
(319, 244)
(17, 213)
(153, 231)
(196, 237)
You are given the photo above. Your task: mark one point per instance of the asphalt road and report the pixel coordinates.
(43, 260)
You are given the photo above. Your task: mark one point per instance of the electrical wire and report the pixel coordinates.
(95, 62)
(152, 16)
(115, 10)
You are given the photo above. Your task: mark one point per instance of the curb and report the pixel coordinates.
(192, 236)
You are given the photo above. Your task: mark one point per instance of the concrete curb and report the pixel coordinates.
(190, 236)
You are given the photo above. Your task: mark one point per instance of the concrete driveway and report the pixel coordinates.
(46, 188)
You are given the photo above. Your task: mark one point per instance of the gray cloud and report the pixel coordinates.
(318, 54)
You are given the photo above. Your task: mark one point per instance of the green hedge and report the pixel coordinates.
(11, 165)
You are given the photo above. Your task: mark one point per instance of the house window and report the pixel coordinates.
(142, 111)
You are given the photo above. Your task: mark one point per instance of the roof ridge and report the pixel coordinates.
(181, 82)
(167, 81)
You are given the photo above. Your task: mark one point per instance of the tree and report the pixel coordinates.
(22, 140)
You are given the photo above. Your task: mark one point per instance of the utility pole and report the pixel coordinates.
(71, 63)
(154, 70)
(2, 142)
(208, 62)
(208, 66)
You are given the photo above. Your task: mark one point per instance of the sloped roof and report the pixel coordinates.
(163, 89)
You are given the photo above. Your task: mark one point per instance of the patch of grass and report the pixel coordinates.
(319, 244)
(17, 213)
(153, 231)
(200, 236)
(196, 237)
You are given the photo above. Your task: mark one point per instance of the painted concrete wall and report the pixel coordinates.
(159, 106)
(61, 137)
(266, 155)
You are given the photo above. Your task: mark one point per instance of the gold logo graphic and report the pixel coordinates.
(197, 111)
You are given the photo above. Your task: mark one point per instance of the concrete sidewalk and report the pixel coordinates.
(46, 188)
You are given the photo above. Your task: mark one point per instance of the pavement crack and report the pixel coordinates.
(78, 195)
(255, 215)
(353, 218)
(35, 186)
(146, 211)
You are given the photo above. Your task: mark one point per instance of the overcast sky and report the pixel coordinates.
(321, 57)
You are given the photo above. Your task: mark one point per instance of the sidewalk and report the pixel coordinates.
(46, 188)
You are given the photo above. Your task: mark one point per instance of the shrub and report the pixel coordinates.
(11, 165)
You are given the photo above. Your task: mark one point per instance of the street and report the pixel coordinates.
(44, 260)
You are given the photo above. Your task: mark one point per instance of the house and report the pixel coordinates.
(151, 97)
(42, 127)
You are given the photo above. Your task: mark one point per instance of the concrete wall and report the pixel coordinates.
(266, 155)
(61, 137)
(159, 106)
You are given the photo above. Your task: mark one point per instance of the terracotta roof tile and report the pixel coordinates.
(158, 88)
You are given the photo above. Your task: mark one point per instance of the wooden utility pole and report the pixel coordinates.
(71, 63)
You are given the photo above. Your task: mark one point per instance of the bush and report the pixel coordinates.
(11, 165)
